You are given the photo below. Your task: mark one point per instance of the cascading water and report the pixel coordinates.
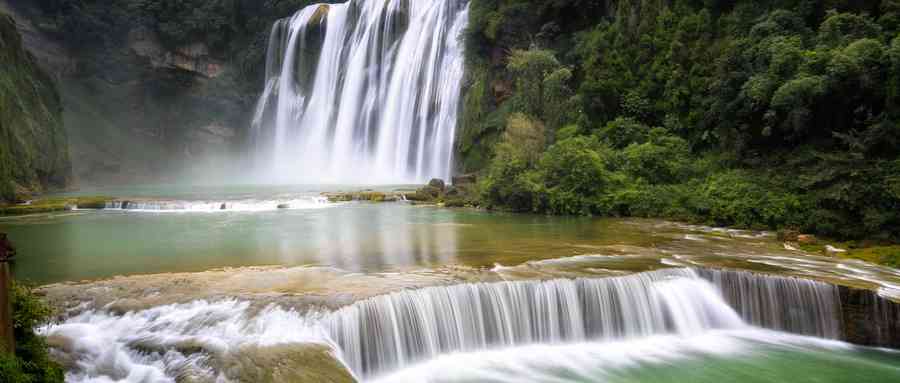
(362, 92)
(395, 330)
(795, 305)
(376, 336)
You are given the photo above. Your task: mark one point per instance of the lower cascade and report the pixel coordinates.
(376, 336)
(387, 332)
(362, 92)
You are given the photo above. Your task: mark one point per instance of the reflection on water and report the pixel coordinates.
(354, 237)
(396, 237)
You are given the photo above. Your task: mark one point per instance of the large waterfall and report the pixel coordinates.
(362, 92)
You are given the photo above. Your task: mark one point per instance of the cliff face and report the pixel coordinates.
(137, 108)
(34, 153)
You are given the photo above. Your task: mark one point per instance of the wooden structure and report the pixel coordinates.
(7, 340)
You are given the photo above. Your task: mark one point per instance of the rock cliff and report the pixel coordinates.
(34, 154)
(137, 108)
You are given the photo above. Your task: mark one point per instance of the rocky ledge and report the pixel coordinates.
(460, 194)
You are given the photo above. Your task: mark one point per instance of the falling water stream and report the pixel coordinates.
(362, 92)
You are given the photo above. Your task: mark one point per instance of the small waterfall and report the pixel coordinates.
(395, 330)
(795, 305)
(362, 92)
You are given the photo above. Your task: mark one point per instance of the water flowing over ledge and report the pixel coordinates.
(240, 205)
(383, 334)
(387, 332)
(362, 92)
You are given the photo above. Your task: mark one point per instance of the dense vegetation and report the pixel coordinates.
(33, 152)
(32, 363)
(767, 114)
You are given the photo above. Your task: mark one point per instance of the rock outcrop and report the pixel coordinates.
(869, 319)
(137, 109)
(34, 154)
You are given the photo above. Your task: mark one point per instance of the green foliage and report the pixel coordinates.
(735, 198)
(795, 102)
(622, 132)
(571, 173)
(32, 363)
(542, 89)
(526, 135)
(663, 159)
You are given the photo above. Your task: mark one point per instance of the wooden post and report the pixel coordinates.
(7, 338)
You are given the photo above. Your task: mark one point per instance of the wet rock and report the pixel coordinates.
(366, 195)
(284, 206)
(223, 207)
(286, 363)
(438, 184)
(869, 319)
(453, 191)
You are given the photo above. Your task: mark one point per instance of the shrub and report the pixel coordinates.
(622, 132)
(663, 159)
(573, 173)
(32, 363)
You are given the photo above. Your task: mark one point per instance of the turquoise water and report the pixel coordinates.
(363, 237)
(752, 356)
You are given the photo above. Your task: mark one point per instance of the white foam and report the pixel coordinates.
(224, 206)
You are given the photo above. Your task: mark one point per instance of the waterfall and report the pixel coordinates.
(379, 335)
(385, 332)
(795, 305)
(365, 91)
(395, 330)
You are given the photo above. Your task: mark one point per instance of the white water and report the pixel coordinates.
(222, 206)
(620, 361)
(386, 332)
(376, 336)
(362, 92)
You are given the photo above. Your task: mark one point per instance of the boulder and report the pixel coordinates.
(438, 184)
(284, 206)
